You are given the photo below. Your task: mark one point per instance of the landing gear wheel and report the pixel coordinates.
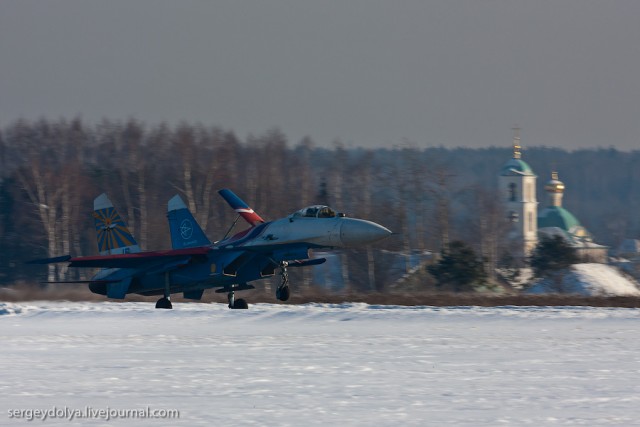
(240, 304)
(164, 303)
(283, 293)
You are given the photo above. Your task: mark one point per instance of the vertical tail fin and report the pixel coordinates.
(241, 207)
(113, 235)
(185, 230)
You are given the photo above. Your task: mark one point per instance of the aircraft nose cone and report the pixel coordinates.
(355, 232)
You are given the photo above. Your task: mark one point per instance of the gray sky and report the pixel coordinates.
(371, 73)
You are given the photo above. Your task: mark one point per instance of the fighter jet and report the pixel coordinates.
(195, 264)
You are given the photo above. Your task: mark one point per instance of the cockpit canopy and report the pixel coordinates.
(316, 211)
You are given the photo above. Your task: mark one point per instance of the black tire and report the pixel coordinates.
(164, 303)
(283, 293)
(240, 304)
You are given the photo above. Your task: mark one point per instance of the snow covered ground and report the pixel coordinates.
(349, 364)
(590, 279)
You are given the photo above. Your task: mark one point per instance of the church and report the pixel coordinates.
(517, 183)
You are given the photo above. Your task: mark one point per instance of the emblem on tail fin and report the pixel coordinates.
(186, 229)
(112, 233)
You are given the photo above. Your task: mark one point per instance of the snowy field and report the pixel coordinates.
(590, 279)
(350, 364)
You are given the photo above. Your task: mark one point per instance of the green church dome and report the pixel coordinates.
(557, 216)
(516, 167)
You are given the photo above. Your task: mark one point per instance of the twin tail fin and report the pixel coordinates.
(112, 233)
(185, 230)
(241, 207)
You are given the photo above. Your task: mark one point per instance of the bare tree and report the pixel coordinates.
(489, 225)
(39, 178)
(440, 190)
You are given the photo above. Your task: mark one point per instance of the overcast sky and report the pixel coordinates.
(368, 72)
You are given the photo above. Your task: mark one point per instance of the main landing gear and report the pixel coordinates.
(236, 303)
(165, 302)
(231, 296)
(282, 292)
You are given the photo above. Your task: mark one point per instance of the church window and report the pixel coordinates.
(513, 193)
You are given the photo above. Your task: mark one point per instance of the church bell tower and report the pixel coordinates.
(518, 190)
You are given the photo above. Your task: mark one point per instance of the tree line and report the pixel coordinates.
(52, 170)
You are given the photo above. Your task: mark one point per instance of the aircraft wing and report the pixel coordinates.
(50, 260)
(134, 260)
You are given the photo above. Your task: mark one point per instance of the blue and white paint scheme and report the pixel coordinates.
(185, 230)
(194, 264)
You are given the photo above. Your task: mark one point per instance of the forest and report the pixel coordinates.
(50, 172)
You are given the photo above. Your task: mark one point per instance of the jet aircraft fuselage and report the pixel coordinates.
(195, 264)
